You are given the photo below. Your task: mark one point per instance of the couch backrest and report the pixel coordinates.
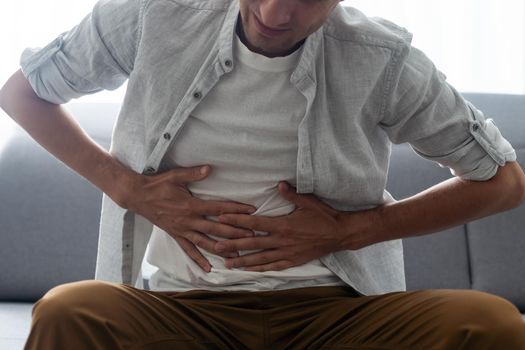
(497, 243)
(49, 216)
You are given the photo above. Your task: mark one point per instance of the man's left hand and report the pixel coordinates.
(311, 231)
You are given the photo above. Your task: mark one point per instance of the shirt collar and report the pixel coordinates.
(309, 53)
(262, 63)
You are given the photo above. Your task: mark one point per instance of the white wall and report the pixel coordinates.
(478, 44)
(34, 23)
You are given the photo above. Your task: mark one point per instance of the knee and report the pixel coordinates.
(475, 317)
(64, 302)
(500, 322)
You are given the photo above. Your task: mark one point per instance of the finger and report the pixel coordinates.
(254, 259)
(266, 242)
(303, 200)
(194, 253)
(202, 241)
(275, 266)
(190, 174)
(252, 222)
(289, 193)
(216, 208)
(200, 207)
(221, 230)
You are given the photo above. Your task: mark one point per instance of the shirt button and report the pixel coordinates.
(197, 95)
(149, 170)
(475, 127)
(228, 63)
(167, 136)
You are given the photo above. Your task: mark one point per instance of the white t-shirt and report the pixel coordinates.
(246, 129)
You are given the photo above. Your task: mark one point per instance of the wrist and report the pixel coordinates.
(119, 182)
(362, 228)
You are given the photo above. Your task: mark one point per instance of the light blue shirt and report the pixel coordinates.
(365, 87)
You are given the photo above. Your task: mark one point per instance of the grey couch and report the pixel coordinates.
(49, 221)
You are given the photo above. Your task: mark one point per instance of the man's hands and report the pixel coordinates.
(311, 231)
(166, 201)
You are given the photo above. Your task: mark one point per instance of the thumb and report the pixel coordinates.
(289, 193)
(190, 174)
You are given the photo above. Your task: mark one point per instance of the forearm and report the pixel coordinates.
(447, 204)
(53, 128)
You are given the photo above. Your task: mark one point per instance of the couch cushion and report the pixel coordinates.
(497, 246)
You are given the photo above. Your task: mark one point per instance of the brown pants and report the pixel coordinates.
(99, 315)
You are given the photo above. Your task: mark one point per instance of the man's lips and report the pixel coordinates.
(267, 31)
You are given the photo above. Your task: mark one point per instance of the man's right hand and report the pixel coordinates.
(166, 202)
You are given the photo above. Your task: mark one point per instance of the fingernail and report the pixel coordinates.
(252, 210)
(248, 234)
(203, 170)
(228, 264)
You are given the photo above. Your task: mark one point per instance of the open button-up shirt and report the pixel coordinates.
(365, 87)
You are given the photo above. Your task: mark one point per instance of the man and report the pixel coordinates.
(230, 105)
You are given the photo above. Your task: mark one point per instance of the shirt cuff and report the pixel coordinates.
(480, 156)
(37, 64)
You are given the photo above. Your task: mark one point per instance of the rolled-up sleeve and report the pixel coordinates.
(440, 125)
(97, 54)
